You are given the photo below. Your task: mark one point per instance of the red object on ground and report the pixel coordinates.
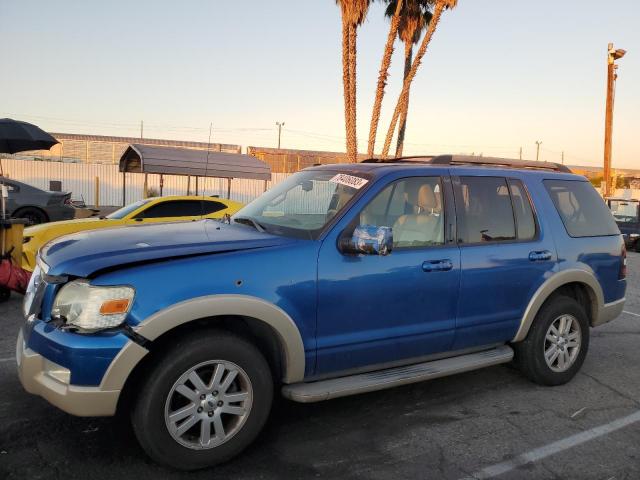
(13, 277)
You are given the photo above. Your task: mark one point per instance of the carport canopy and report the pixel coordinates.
(139, 158)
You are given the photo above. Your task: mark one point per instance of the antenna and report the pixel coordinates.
(206, 167)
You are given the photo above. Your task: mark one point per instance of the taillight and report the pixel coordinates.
(623, 263)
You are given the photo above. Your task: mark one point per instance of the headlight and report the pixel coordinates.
(91, 307)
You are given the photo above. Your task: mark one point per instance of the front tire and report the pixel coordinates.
(557, 343)
(204, 402)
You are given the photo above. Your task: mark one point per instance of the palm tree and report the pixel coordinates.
(353, 14)
(414, 19)
(440, 6)
(393, 10)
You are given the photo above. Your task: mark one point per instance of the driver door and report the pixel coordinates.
(375, 310)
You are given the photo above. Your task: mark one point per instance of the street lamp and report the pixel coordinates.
(538, 143)
(612, 56)
(279, 125)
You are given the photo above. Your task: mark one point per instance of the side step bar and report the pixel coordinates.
(393, 377)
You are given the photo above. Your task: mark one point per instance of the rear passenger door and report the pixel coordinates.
(505, 255)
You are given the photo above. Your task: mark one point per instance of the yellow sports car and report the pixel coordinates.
(159, 209)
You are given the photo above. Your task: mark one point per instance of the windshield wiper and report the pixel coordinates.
(250, 221)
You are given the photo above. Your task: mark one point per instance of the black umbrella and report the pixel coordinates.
(17, 136)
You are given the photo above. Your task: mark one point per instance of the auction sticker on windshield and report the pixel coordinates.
(349, 181)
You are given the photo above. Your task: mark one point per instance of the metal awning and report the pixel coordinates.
(185, 161)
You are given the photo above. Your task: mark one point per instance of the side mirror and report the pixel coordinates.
(368, 240)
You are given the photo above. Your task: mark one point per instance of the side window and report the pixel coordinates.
(624, 211)
(412, 207)
(175, 208)
(484, 210)
(525, 221)
(212, 207)
(581, 209)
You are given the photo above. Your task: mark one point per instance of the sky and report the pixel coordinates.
(498, 75)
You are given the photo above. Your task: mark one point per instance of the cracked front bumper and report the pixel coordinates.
(51, 381)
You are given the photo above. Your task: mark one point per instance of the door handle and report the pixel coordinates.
(540, 256)
(437, 265)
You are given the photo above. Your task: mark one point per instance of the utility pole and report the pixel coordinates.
(520, 153)
(562, 157)
(280, 125)
(612, 56)
(145, 187)
(538, 143)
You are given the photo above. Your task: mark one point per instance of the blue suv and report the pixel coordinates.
(342, 279)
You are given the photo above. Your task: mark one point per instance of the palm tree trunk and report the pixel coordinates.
(382, 78)
(407, 81)
(345, 79)
(352, 154)
(408, 56)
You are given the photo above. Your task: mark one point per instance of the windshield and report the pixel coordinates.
(624, 211)
(303, 204)
(126, 210)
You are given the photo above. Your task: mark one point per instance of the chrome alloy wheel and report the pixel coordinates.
(208, 404)
(562, 343)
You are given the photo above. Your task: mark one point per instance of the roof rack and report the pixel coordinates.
(473, 160)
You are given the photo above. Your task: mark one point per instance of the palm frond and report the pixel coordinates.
(354, 12)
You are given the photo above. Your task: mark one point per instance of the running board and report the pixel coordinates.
(393, 377)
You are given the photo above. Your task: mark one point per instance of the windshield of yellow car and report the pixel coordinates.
(127, 209)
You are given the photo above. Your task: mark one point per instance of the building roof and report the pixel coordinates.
(184, 161)
(146, 141)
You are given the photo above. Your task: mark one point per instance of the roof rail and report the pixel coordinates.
(474, 160)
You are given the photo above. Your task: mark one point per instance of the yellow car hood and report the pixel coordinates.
(55, 229)
(38, 235)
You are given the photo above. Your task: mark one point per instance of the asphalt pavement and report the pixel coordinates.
(483, 424)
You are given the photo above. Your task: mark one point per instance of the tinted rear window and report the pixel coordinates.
(485, 213)
(582, 210)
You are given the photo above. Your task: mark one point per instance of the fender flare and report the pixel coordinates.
(550, 286)
(212, 306)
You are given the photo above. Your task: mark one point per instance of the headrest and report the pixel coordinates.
(427, 199)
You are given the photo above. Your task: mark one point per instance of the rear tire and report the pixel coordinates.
(33, 215)
(557, 343)
(636, 246)
(5, 294)
(186, 424)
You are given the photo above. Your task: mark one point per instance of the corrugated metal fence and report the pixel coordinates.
(80, 179)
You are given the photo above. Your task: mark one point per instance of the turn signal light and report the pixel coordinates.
(116, 306)
(623, 264)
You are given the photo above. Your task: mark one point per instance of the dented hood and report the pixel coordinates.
(81, 254)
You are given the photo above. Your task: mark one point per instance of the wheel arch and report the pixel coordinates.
(33, 207)
(269, 326)
(573, 282)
